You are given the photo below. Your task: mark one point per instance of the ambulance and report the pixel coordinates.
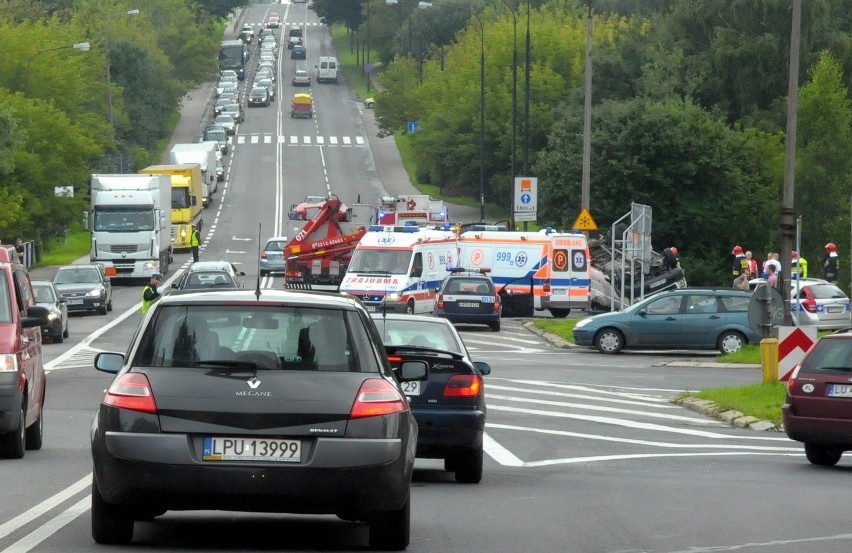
(398, 269)
(555, 266)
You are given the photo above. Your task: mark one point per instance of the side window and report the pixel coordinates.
(664, 306)
(23, 297)
(418, 265)
(701, 304)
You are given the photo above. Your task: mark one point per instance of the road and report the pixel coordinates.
(585, 452)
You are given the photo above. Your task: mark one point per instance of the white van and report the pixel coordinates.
(327, 69)
(399, 269)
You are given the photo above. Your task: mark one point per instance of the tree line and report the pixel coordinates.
(689, 112)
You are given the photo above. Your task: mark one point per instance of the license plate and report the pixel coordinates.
(371, 308)
(251, 449)
(468, 304)
(840, 390)
(74, 302)
(835, 308)
(411, 388)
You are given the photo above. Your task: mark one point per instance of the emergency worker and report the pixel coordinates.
(832, 263)
(151, 293)
(740, 261)
(671, 258)
(798, 265)
(195, 242)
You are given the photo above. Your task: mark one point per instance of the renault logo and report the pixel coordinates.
(253, 383)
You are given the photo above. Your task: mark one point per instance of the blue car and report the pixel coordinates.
(272, 255)
(687, 318)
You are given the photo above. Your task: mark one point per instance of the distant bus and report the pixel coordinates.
(233, 54)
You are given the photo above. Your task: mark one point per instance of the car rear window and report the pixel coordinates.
(436, 335)
(829, 356)
(826, 292)
(469, 286)
(275, 246)
(259, 336)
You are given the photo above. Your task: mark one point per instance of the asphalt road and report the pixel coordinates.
(585, 452)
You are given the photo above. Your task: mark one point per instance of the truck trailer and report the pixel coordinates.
(204, 154)
(128, 218)
(187, 200)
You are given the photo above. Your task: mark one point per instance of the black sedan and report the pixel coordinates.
(449, 405)
(279, 402)
(47, 296)
(84, 287)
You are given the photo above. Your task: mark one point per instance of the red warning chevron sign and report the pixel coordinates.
(793, 343)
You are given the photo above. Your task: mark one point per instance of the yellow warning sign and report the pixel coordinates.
(585, 222)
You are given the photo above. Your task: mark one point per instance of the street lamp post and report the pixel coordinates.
(527, 98)
(106, 55)
(514, 84)
(82, 46)
(426, 5)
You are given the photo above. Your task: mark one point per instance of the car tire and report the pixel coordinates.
(109, 305)
(609, 340)
(263, 272)
(66, 333)
(559, 313)
(495, 327)
(391, 530)
(409, 308)
(730, 341)
(468, 467)
(102, 310)
(58, 337)
(822, 455)
(13, 444)
(34, 436)
(111, 524)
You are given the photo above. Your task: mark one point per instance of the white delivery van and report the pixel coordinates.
(399, 269)
(327, 69)
(554, 266)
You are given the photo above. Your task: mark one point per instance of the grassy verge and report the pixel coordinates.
(758, 400)
(351, 63)
(62, 252)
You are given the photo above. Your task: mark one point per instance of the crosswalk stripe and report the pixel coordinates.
(306, 140)
(346, 140)
(320, 140)
(333, 140)
(359, 140)
(267, 139)
(294, 140)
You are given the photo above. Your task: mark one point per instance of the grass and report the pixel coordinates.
(562, 328)
(349, 61)
(758, 400)
(62, 252)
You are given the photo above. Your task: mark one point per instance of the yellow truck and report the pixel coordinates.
(187, 199)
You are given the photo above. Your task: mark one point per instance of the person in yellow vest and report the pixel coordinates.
(799, 266)
(194, 242)
(151, 293)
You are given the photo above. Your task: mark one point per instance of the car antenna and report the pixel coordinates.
(257, 290)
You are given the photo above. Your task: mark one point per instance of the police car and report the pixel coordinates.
(468, 296)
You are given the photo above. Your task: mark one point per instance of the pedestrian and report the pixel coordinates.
(798, 266)
(151, 292)
(194, 242)
(763, 272)
(776, 262)
(671, 257)
(752, 263)
(740, 262)
(19, 247)
(832, 263)
(741, 282)
(771, 277)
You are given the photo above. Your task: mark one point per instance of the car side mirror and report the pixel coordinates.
(109, 362)
(642, 312)
(174, 285)
(484, 368)
(36, 316)
(242, 273)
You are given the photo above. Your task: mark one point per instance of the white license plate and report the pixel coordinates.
(251, 449)
(371, 308)
(834, 308)
(840, 390)
(468, 304)
(411, 388)
(74, 302)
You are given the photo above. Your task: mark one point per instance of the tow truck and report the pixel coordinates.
(320, 247)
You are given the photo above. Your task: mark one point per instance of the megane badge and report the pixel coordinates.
(253, 383)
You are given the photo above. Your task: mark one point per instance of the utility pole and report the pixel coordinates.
(587, 118)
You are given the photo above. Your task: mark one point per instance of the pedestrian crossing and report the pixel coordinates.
(297, 140)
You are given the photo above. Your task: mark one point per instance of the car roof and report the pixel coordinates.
(210, 266)
(277, 239)
(79, 266)
(249, 297)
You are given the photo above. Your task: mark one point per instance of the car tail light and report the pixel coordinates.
(791, 382)
(496, 303)
(463, 385)
(394, 358)
(440, 300)
(263, 254)
(809, 305)
(377, 397)
(131, 391)
(546, 286)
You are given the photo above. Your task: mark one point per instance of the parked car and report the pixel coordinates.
(259, 96)
(685, 318)
(272, 255)
(49, 297)
(301, 78)
(298, 52)
(210, 274)
(817, 303)
(227, 122)
(84, 287)
(818, 408)
(280, 403)
(449, 405)
(469, 296)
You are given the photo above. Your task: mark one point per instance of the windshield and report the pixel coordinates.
(5, 307)
(255, 336)
(394, 262)
(180, 198)
(43, 293)
(85, 275)
(124, 220)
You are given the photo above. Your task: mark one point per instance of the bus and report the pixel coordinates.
(233, 55)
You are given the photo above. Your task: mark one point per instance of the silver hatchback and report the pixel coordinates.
(822, 305)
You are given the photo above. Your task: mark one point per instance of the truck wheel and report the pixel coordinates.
(559, 313)
(102, 310)
(409, 308)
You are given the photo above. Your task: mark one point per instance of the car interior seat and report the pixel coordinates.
(482, 289)
(329, 336)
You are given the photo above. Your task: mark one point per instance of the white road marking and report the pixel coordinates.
(347, 141)
(768, 544)
(49, 528)
(660, 404)
(28, 516)
(499, 453)
(332, 140)
(267, 139)
(306, 140)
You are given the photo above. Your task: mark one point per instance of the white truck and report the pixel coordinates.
(130, 220)
(204, 154)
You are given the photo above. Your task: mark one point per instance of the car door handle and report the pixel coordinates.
(671, 318)
(715, 317)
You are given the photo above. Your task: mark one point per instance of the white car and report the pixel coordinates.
(227, 122)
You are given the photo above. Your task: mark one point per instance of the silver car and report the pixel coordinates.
(822, 305)
(226, 122)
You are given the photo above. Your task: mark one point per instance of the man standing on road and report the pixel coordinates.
(194, 242)
(151, 292)
(19, 247)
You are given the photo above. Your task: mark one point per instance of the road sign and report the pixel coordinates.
(766, 310)
(413, 126)
(584, 221)
(793, 343)
(526, 198)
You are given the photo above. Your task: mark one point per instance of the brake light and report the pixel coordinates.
(394, 358)
(546, 286)
(131, 391)
(791, 382)
(809, 305)
(497, 303)
(263, 254)
(440, 300)
(463, 385)
(377, 397)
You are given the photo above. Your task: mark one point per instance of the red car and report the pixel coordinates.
(818, 408)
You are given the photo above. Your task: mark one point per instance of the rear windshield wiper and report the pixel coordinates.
(236, 364)
(424, 349)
